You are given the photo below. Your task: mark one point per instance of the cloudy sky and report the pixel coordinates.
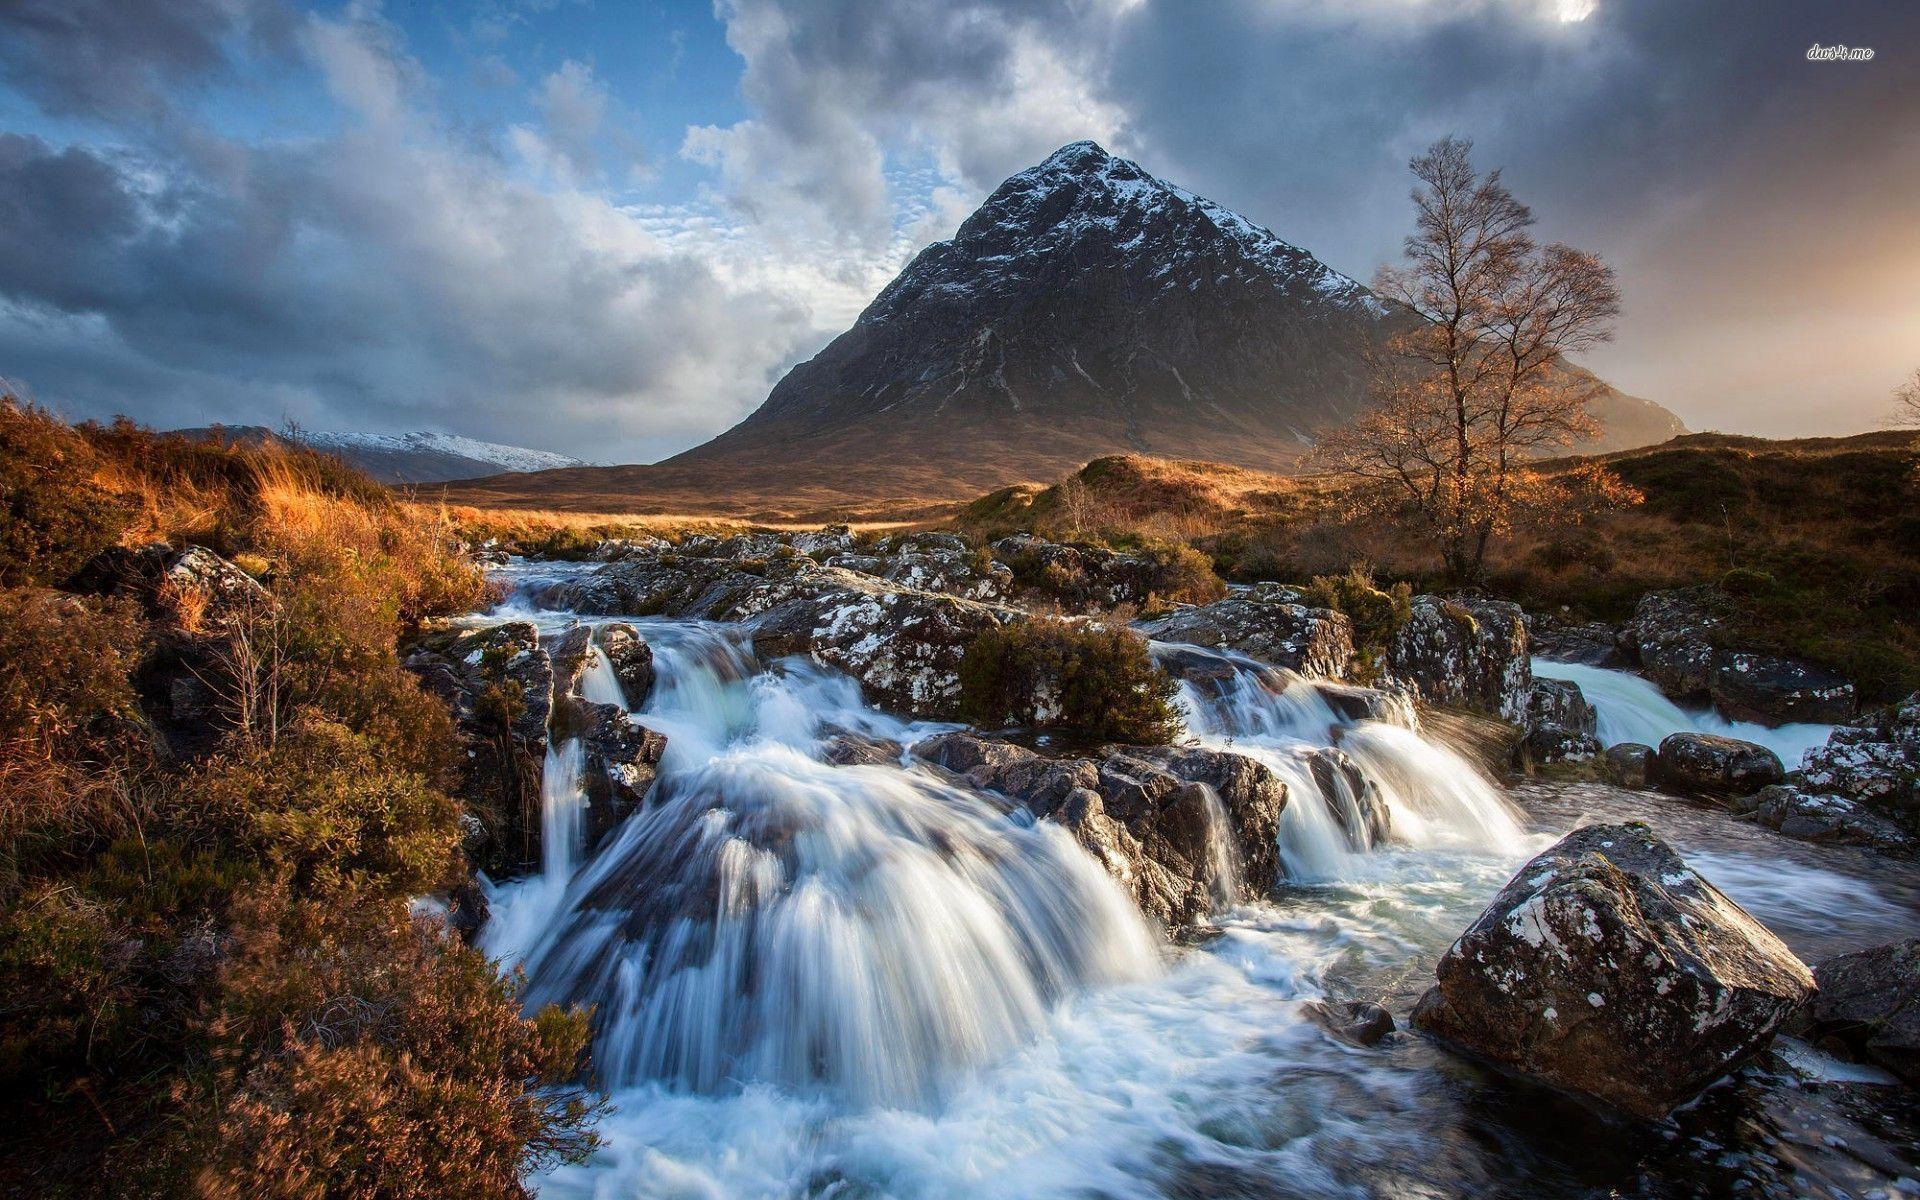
(608, 226)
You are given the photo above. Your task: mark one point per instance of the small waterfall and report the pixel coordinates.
(563, 810)
(598, 683)
(1223, 853)
(1630, 708)
(1352, 785)
(866, 931)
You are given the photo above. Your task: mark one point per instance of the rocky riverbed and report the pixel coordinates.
(847, 947)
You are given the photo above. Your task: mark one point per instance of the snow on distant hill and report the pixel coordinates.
(414, 457)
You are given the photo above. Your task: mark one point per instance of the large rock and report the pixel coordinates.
(622, 761)
(937, 568)
(631, 658)
(1703, 764)
(1311, 641)
(1630, 764)
(1874, 760)
(1470, 653)
(1609, 968)
(497, 681)
(1834, 820)
(1561, 639)
(1778, 691)
(1671, 636)
(1560, 723)
(1869, 1003)
(1078, 576)
(1152, 815)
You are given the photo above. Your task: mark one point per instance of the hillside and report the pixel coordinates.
(1815, 540)
(1087, 308)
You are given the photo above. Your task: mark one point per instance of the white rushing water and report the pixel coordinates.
(818, 981)
(1631, 709)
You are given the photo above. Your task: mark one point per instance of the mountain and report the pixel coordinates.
(1086, 308)
(410, 457)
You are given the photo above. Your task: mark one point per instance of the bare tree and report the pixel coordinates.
(1906, 401)
(1465, 399)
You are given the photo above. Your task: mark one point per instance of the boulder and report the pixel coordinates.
(1869, 1005)
(1561, 639)
(1609, 968)
(1168, 802)
(1630, 764)
(631, 659)
(1311, 641)
(1703, 764)
(1076, 575)
(497, 682)
(1560, 724)
(1353, 799)
(1671, 636)
(1874, 760)
(622, 761)
(567, 652)
(1834, 820)
(1778, 691)
(1355, 1022)
(1469, 653)
(849, 749)
(954, 572)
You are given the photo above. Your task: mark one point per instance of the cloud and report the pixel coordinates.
(391, 275)
(120, 57)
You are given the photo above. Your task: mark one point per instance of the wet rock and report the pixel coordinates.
(1355, 801)
(1560, 724)
(567, 657)
(631, 658)
(1609, 968)
(1469, 653)
(1165, 799)
(1874, 760)
(467, 910)
(1834, 820)
(1703, 764)
(1559, 639)
(1354, 703)
(497, 682)
(1869, 1004)
(1777, 691)
(622, 761)
(1671, 636)
(848, 749)
(1630, 764)
(1355, 1022)
(1310, 641)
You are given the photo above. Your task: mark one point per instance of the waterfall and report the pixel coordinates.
(563, 809)
(1223, 854)
(870, 931)
(598, 683)
(1631, 709)
(1352, 785)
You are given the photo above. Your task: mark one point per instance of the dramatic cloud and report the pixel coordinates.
(237, 210)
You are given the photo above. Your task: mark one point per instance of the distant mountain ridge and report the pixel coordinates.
(1086, 308)
(400, 458)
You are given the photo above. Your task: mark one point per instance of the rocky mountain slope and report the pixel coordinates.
(1086, 308)
(412, 457)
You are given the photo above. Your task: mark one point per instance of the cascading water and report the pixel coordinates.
(869, 932)
(1352, 786)
(820, 981)
(598, 683)
(1630, 708)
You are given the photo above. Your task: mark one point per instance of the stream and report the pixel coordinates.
(852, 982)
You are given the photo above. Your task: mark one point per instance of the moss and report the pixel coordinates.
(1092, 680)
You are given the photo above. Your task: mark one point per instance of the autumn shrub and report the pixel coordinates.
(1094, 680)
(1377, 613)
(53, 516)
(1179, 574)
